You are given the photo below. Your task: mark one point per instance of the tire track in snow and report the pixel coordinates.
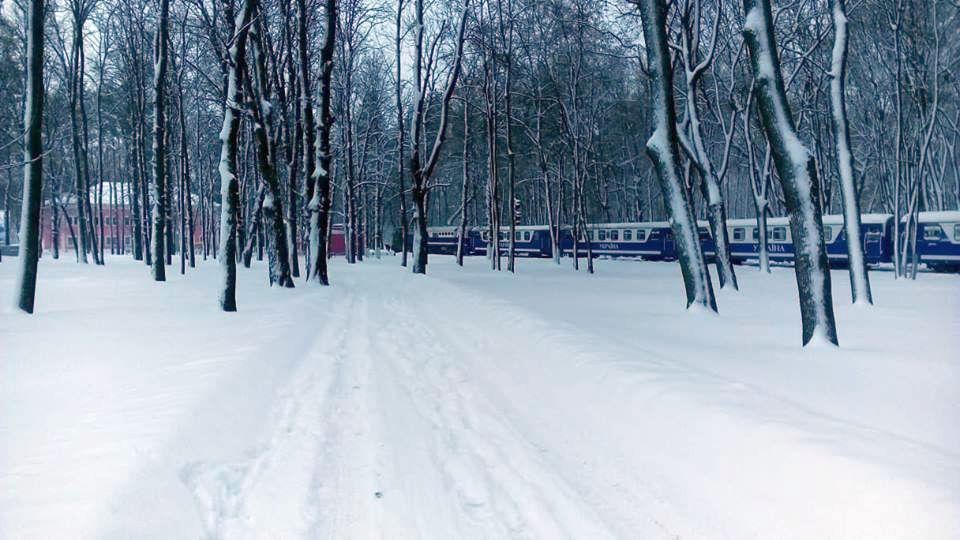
(500, 483)
(267, 493)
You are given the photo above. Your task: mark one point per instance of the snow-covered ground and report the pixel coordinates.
(469, 404)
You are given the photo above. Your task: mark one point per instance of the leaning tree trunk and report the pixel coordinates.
(159, 145)
(662, 147)
(229, 189)
(859, 279)
(26, 286)
(797, 173)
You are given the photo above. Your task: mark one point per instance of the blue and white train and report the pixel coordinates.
(938, 240)
(876, 236)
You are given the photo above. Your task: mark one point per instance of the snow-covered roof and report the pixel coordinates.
(828, 219)
(938, 217)
(629, 225)
(873, 219)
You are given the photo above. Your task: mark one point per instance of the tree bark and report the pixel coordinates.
(26, 284)
(320, 202)
(229, 188)
(859, 279)
(159, 145)
(662, 148)
(797, 174)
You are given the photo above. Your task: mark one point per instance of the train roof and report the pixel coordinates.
(872, 219)
(640, 225)
(829, 219)
(628, 225)
(937, 217)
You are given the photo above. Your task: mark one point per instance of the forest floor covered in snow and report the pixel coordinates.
(473, 404)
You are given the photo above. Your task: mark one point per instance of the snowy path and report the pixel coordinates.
(473, 405)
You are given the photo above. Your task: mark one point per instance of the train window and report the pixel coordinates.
(956, 232)
(526, 236)
(779, 233)
(627, 235)
(602, 235)
(738, 233)
(827, 232)
(756, 233)
(614, 235)
(931, 232)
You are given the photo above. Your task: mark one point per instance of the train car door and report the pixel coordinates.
(669, 249)
(872, 248)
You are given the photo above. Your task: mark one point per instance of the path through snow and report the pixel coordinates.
(467, 404)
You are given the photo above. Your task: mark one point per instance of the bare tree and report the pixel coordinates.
(158, 246)
(421, 171)
(859, 280)
(26, 285)
(797, 173)
(662, 148)
(229, 188)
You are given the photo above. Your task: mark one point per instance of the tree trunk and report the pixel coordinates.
(159, 145)
(859, 279)
(462, 229)
(797, 174)
(229, 188)
(662, 149)
(26, 284)
(259, 104)
(320, 202)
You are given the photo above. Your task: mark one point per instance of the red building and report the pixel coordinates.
(117, 227)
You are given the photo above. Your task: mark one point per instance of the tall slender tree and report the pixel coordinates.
(158, 246)
(26, 286)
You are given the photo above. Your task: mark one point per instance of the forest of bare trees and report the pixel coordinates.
(256, 125)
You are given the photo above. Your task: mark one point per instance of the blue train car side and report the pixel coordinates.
(443, 241)
(876, 236)
(938, 240)
(528, 241)
(652, 240)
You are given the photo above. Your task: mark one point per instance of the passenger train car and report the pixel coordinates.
(528, 241)
(647, 240)
(443, 240)
(938, 240)
(876, 235)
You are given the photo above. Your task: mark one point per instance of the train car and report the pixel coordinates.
(876, 235)
(443, 240)
(528, 241)
(938, 240)
(652, 240)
